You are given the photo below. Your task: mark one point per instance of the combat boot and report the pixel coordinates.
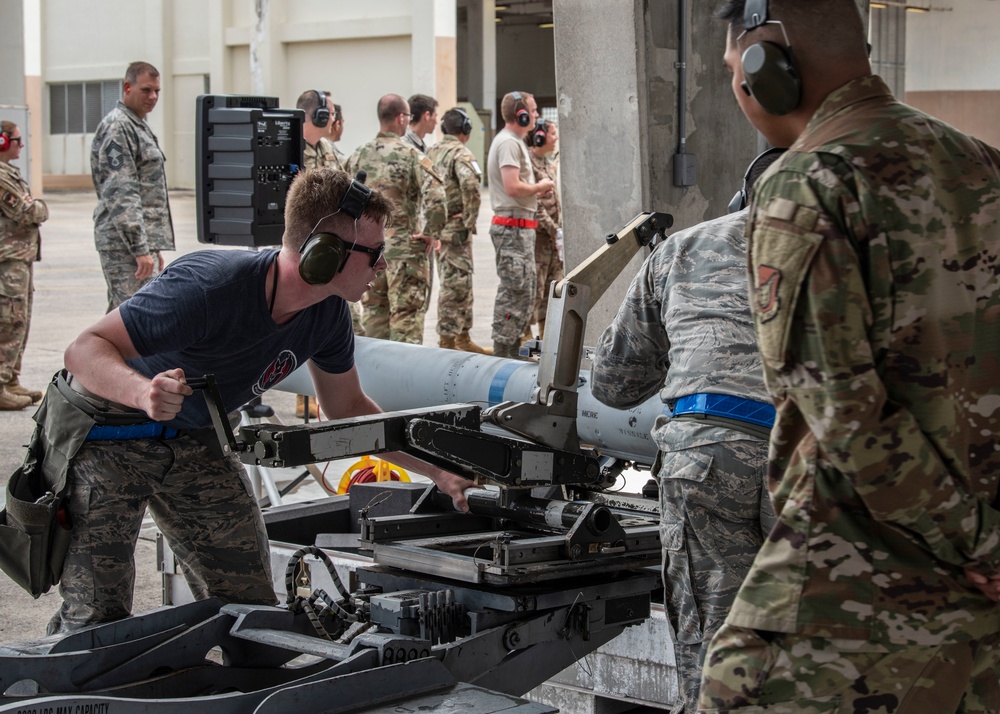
(300, 407)
(14, 387)
(464, 342)
(447, 342)
(10, 402)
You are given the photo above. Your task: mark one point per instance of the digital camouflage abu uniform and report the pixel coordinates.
(133, 212)
(683, 329)
(874, 254)
(548, 264)
(397, 302)
(457, 166)
(314, 157)
(19, 247)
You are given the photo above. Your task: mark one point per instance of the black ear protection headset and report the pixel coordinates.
(538, 134)
(321, 114)
(742, 197)
(466, 127)
(522, 116)
(325, 254)
(769, 71)
(4, 141)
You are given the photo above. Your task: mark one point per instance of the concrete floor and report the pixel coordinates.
(70, 295)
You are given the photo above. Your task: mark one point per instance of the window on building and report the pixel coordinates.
(78, 107)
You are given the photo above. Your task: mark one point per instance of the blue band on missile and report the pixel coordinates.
(499, 383)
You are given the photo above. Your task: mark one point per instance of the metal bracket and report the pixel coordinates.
(217, 410)
(503, 460)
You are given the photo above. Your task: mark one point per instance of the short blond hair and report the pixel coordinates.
(316, 193)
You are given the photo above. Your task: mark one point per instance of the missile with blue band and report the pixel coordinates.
(398, 375)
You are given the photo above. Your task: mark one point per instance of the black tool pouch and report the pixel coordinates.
(33, 541)
(35, 526)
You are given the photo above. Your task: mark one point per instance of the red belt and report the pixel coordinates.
(514, 222)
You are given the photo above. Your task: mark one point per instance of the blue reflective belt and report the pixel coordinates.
(724, 405)
(146, 430)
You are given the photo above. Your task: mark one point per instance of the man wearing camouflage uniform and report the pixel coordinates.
(685, 330)
(135, 435)
(337, 131)
(320, 151)
(395, 306)
(423, 121)
(319, 113)
(457, 166)
(874, 244)
(132, 223)
(513, 197)
(548, 235)
(20, 246)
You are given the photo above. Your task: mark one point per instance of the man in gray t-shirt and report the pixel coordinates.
(513, 193)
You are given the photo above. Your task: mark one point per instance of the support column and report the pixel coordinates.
(617, 79)
(434, 51)
(481, 56)
(267, 58)
(33, 94)
(219, 57)
(887, 34)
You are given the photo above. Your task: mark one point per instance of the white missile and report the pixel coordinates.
(398, 375)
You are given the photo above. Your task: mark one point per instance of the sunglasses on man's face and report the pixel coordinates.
(374, 253)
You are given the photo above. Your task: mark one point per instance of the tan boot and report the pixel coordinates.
(464, 342)
(527, 334)
(10, 402)
(300, 407)
(14, 387)
(446, 342)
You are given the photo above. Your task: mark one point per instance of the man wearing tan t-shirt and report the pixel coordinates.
(513, 193)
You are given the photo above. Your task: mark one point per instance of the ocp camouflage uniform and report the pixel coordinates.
(314, 157)
(874, 249)
(132, 217)
(20, 246)
(457, 166)
(341, 156)
(685, 328)
(548, 265)
(322, 154)
(397, 302)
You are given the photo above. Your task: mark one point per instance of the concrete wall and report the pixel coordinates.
(527, 62)
(11, 52)
(951, 66)
(618, 108)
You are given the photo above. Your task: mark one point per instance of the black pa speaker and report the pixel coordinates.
(248, 151)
